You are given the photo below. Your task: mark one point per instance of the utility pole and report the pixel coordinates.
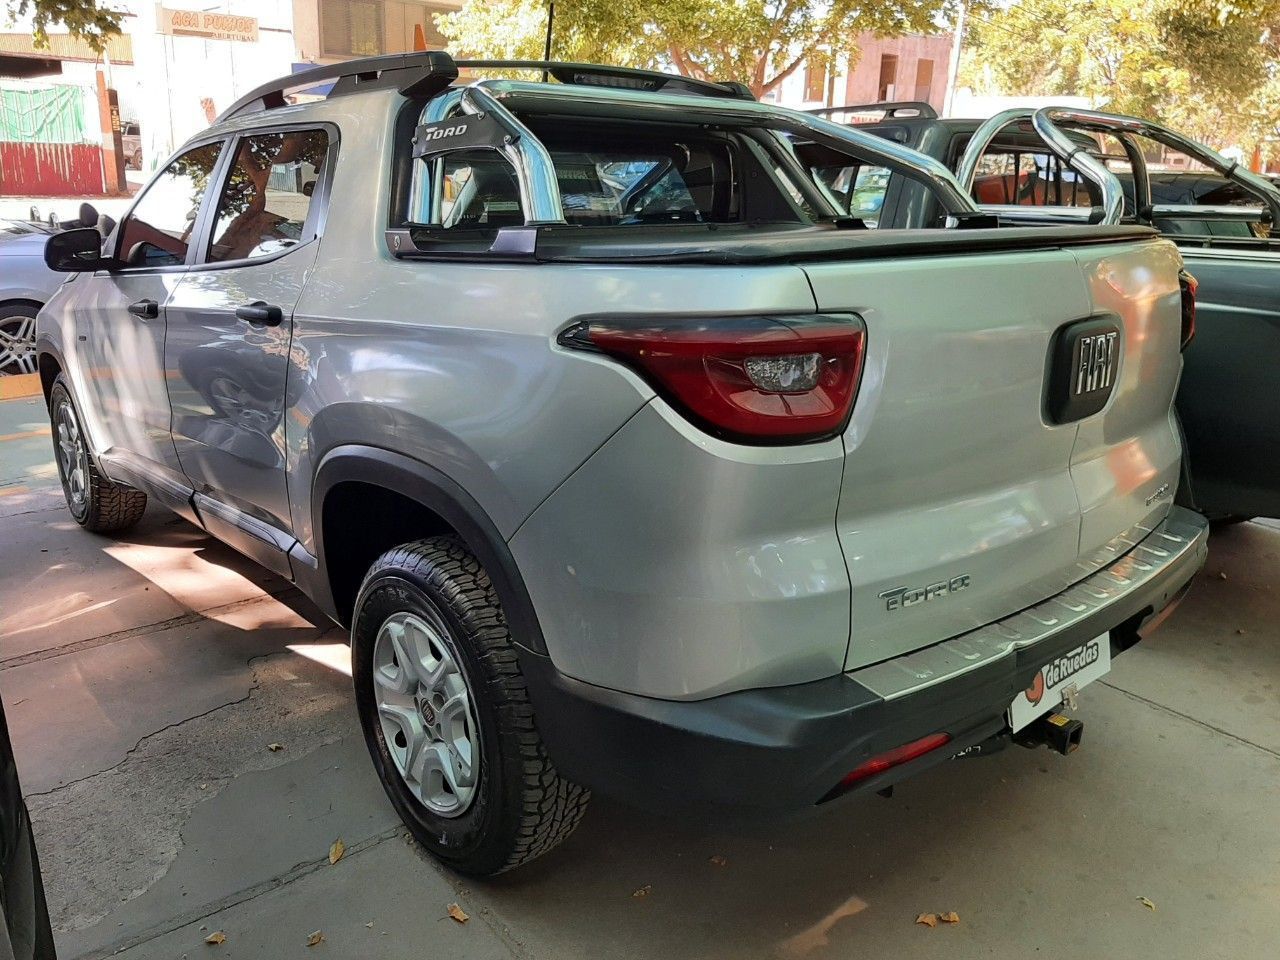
(957, 44)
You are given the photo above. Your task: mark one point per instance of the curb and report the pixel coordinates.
(17, 386)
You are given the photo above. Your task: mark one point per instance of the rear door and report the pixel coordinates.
(228, 351)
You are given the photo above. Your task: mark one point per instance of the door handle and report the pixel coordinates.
(146, 309)
(260, 312)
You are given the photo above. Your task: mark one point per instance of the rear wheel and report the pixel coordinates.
(446, 713)
(95, 502)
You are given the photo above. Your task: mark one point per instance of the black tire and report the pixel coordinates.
(96, 503)
(521, 807)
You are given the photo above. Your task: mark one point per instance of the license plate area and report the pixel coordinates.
(1075, 668)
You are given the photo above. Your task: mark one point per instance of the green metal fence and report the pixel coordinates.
(51, 115)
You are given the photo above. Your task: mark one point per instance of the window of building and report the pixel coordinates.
(357, 28)
(888, 76)
(351, 28)
(264, 205)
(158, 230)
(815, 82)
(924, 79)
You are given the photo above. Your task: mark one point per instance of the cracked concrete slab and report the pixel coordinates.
(107, 839)
(97, 702)
(380, 903)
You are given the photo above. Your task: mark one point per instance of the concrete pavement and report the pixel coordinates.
(144, 680)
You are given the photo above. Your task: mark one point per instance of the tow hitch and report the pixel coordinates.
(1056, 731)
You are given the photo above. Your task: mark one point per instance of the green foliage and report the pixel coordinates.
(86, 19)
(756, 42)
(1205, 67)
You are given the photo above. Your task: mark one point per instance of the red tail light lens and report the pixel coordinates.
(749, 379)
(891, 758)
(1189, 285)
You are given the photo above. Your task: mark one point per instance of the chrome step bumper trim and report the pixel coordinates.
(1180, 537)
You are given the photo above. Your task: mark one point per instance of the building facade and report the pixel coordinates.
(910, 67)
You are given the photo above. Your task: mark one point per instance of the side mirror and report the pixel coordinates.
(74, 251)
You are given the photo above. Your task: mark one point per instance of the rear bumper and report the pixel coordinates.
(783, 749)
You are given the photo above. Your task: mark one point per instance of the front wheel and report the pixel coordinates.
(96, 503)
(446, 713)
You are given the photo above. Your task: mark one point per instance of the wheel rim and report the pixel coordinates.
(17, 344)
(424, 707)
(73, 459)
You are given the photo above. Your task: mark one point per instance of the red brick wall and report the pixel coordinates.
(50, 169)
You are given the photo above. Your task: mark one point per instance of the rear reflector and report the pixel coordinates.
(891, 758)
(785, 379)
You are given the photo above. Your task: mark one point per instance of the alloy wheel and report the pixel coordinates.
(73, 457)
(17, 344)
(424, 707)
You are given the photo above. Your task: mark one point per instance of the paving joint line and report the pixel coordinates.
(142, 630)
(1186, 716)
(205, 911)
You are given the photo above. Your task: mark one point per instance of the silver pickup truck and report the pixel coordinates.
(631, 462)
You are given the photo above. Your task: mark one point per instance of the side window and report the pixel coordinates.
(1029, 178)
(480, 190)
(860, 189)
(158, 230)
(267, 197)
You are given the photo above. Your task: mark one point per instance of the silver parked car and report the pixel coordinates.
(686, 489)
(26, 283)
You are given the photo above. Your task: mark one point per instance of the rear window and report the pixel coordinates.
(617, 174)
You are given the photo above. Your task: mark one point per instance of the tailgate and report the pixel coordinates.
(959, 504)
(1126, 458)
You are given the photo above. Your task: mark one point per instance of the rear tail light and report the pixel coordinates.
(749, 379)
(888, 760)
(1189, 286)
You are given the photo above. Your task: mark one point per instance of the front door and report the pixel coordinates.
(228, 347)
(121, 326)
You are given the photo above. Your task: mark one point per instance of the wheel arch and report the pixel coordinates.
(408, 500)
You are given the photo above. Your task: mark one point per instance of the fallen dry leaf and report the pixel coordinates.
(275, 747)
(643, 891)
(1146, 903)
(315, 939)
(458, 913)
(949, 917)
(336, 851)
(928, 919)
(718, 860)
(216, 938)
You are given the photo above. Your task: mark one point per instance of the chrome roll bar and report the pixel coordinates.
(1066, 149)
(535, 173)
(1097, 122)
(539, 187)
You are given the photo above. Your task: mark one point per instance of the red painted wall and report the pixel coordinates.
(50, 169)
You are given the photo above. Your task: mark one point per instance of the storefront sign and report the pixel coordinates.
(208, 26)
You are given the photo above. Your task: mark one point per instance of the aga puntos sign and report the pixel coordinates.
(208, 26)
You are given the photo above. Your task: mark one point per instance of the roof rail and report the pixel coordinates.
(890, 109)
(425, 72)
(627, 78)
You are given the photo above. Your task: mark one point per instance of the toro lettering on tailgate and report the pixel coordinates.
(900, 597)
